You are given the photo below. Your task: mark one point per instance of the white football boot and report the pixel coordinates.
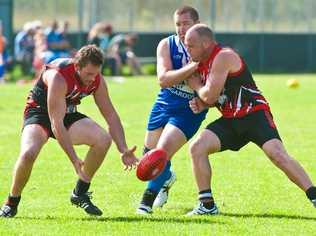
(201, 210)
(144, 210)
(162, 196)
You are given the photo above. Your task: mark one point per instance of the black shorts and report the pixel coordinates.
(34, 116)
(234, 133)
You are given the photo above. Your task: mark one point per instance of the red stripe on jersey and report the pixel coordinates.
(204, 68)
(232, 113)
(270, 119)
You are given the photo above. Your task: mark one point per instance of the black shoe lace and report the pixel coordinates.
(85, 199)
(165, 189)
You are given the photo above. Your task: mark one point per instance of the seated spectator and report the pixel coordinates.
(121, 46)
(40, 51)
(64, 34)
(24, 48)
(2, 50)
(8, 60)
(100, 35)
(57, 45)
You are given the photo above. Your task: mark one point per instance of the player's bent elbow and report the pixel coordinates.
(162, 82)
(165, 80)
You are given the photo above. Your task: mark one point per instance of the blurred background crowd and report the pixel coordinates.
(36, 45)
(128, 31)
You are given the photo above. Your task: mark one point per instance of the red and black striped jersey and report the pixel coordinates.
(75, 90)
(240, 95)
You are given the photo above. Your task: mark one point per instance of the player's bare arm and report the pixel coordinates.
(56, 104)
(225, 62)
(103, 101)
(196, 104)
(166, 75)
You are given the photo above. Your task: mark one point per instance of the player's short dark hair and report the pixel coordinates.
(187, 9)
(89, 54)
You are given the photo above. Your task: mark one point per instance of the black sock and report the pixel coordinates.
(13, 201)
(81, 187)
(311, 193)
(206, 198)
(149, 197)
(209, 204)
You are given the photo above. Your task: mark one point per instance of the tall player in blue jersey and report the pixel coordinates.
(171, 122)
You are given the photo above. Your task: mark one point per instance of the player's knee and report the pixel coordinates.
(103, 141)
(196, 149)
(28, 156)
(279, 157)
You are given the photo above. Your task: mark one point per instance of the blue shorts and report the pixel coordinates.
(183, 118)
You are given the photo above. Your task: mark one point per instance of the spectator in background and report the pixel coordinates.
(2, 51)
(121, 47)
(64, 33)
(40, 51)
(58, 46)
(24, 48)
(64, 30)
(100, 35)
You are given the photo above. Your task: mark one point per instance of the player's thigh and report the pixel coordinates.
(262, 129)
(87, 131)
(158, 119)
(152, 138)
(226, 131)
(171, 139)
(206, 142)
(33, 138)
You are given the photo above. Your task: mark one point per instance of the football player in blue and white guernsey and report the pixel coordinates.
(171, 122)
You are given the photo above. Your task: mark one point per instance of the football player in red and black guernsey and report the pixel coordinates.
(51, 111)
(224, 81)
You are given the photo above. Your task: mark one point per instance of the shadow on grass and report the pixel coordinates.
(180, 219)
(265, 215)
(194, 220)
(157, 219)
(271, 216)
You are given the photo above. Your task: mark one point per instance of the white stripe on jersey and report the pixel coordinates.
(251, 90)
(183, 50)
(261, 101)
(238, 102)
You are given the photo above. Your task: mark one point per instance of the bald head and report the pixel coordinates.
(202, 31)
(199, 41)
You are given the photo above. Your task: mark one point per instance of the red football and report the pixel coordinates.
(151, 164)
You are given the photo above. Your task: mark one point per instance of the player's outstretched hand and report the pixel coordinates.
(197, 105)
(129, 159)
(78, 164)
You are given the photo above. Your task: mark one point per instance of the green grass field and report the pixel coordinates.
(254, 197)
